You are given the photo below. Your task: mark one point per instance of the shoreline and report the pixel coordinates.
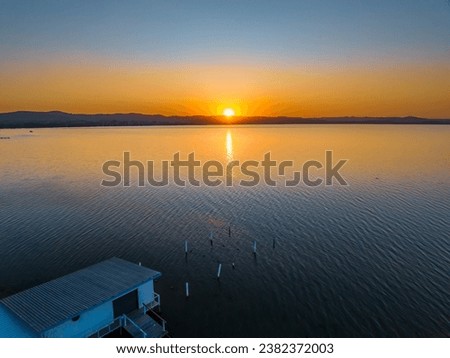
(22, 119)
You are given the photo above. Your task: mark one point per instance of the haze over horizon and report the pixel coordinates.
(295, 58)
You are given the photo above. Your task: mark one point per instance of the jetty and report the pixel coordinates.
(93, 302)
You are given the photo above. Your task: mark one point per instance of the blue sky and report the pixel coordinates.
(231, 30)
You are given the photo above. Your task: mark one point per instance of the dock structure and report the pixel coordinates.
(91, 302)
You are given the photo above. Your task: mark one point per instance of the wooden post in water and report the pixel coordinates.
(187, 289)
(254, 247)
(185, 247)
(219, 270)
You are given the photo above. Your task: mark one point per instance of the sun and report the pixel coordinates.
(228, 112)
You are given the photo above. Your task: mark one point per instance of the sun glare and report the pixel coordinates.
(228, 112)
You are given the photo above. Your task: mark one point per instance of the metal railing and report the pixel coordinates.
(127, 319)
(156, 300)
(161, 320)
(117, 323)
(155, 303)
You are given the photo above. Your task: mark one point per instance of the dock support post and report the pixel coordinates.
(254, 247)
(187, 289)
(185, 247)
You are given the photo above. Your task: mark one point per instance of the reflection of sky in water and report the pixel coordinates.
(346, 258)
(400, 154)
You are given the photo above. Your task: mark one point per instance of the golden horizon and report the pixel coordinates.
(88, 87)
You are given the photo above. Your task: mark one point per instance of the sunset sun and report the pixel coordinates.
(228, 112)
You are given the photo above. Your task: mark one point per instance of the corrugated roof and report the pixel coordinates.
(53, 302)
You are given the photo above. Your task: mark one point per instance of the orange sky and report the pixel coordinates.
(288, 58)
(309, 90)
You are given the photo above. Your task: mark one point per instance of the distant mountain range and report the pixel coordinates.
(23, 119)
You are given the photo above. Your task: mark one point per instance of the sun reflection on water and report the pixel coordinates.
(229, 146)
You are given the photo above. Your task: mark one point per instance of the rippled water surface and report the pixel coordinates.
(368, 259)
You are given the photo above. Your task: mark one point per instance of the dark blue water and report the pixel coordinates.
(368, 260)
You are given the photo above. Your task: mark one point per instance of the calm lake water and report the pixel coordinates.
(371, 259)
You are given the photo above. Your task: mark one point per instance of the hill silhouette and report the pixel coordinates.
(26, 119)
